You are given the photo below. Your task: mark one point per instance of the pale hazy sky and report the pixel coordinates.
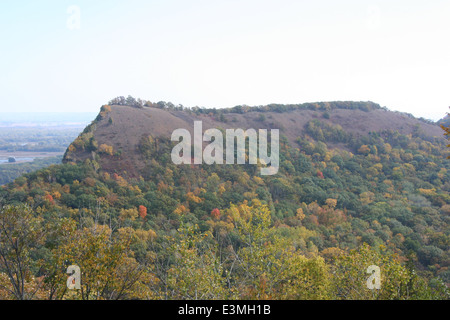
(224, 53)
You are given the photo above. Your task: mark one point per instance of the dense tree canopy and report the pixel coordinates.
(224, 232)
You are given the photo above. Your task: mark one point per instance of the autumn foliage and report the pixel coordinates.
(164, 231)
(142, 211)
(215, 213)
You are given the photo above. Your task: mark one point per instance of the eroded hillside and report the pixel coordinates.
(113, 139)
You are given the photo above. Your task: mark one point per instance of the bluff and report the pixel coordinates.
(114, 138)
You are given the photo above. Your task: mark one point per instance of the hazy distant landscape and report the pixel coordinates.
(45, 119)
(30, 141)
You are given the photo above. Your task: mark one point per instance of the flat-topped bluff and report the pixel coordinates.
(116, 137)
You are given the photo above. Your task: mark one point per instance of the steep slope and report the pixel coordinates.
(122, 128)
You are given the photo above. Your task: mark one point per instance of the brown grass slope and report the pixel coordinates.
(129, 125)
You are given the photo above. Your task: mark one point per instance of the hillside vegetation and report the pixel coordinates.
(358, 185)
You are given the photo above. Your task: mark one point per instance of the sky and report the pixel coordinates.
(74, 56)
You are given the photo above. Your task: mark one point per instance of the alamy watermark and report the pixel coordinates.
(373, 21)
(74, 280)
(73, 22)
(213, 152)
(374, 281)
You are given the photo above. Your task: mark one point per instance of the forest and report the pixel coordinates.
(226, 232)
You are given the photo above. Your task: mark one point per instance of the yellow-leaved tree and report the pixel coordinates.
(269, 266)
(108, 269)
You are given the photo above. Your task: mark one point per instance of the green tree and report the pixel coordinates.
(397, 281)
